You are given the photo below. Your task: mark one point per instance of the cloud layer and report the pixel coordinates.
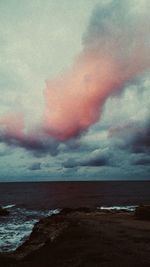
(92, 122)
(116, 49)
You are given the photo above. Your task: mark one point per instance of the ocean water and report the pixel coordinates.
(29, 202)
(16, 228)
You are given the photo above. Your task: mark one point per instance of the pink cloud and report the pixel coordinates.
(116, 49)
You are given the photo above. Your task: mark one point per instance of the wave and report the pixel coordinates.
(119, 208)
(16, 228)
(9, 206)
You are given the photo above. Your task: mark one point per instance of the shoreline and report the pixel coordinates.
(17, 227)
(84, 237)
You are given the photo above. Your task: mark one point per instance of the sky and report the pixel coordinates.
(74, 90)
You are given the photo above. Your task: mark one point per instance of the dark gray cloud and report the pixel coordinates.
(116, 28)
(70, 163)
(35, 166)
(130, 143)
(38, 146)
(133, 136)
(141, 141)
(143, 161)
(96, 161)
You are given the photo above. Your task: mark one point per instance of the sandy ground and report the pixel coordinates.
(85, 239)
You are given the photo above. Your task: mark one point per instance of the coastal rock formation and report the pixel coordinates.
(143, 212)
(3, 212)
(84, 238)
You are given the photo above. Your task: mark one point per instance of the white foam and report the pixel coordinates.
(51, 212)
(9, 206)
(119, 208)
(13, 234)
(16, 228)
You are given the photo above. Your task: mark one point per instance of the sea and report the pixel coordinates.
(28, 202)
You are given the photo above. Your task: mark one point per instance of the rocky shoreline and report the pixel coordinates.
(3, 212)
(85, 237)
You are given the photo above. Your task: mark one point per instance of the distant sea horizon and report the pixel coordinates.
(53, 180)
(104, 192)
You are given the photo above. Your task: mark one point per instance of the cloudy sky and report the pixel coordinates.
(74, 90)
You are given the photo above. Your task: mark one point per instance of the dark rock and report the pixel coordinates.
(3, 212)
(6, 259)
(84, 209)
(143, 212)
(65, 211)
(45, 231)
(84, 239)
